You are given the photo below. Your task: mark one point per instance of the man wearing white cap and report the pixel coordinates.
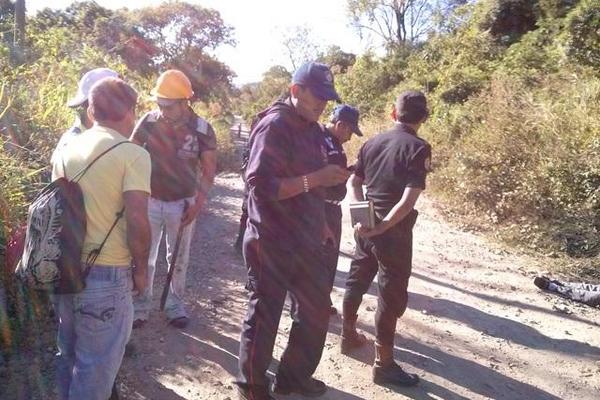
(79, 103)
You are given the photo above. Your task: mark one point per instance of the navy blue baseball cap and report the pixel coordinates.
(318, 78)
(348, 114)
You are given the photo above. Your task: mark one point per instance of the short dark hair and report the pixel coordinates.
(411, 107)
(111, 99)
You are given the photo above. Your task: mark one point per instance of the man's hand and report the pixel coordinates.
(192, 212)
(329, 175)
(140, 281)
(367, 233)
(327, 235)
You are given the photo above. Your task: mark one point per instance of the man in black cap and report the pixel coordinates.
(286, 173)
(339, 130)
(393, 166)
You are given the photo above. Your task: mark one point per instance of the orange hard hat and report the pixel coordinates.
(172, 84)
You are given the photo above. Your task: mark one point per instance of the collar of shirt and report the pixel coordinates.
(109, 131)
(190, 122)
(401, 126)
(78, 126)
(192, 119)
(334, 139)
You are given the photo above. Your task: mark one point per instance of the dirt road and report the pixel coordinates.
(476, 327)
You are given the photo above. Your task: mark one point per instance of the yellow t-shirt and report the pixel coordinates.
(124, 168)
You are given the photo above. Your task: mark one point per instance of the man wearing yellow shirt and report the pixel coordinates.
(95, 324)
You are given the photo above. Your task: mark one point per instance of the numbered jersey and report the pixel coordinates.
(175, 151)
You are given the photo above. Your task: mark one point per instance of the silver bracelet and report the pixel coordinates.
(305, 185)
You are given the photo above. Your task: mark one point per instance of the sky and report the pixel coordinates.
(259, 26)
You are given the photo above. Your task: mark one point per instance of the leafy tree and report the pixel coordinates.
(111, 31)
(396, 22)
(184, 34)
(508, 20)
(177, 28)
(299, 46)
(337, 59)
(256, 96)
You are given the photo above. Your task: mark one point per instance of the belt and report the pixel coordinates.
(334, 202)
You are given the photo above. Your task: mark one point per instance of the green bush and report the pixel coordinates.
(582, 37)
(528, 157)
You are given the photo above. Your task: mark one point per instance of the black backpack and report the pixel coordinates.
(56, 228)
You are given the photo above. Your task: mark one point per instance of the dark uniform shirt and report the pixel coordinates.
(174, 151)
(336, 156)
(284, 145)
(391, 161)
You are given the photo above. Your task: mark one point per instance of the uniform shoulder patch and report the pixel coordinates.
(201, 126)
(427, 164)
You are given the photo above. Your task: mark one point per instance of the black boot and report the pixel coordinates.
(351, 339)
(253, 392)
(310, 388)
(387, 372)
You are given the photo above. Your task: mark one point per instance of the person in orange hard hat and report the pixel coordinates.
(180, 144)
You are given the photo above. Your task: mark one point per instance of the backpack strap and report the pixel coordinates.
(82, 172)
(93, 255)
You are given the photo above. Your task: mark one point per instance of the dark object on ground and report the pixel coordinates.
(585, 293)
(542, 282)
(333, 310)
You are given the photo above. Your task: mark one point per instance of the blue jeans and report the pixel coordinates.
(165, 218)
(93, 328)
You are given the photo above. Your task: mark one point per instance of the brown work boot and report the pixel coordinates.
(387, 372)
(351, 339)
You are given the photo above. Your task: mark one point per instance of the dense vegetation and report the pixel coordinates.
(514, 87)
(39, 75)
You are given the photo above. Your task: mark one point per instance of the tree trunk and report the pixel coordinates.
(19, 39)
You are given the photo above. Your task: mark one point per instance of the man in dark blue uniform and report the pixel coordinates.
(286, 174)
(343, 123)
(393, 166)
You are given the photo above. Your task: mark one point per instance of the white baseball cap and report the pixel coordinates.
(87, 81)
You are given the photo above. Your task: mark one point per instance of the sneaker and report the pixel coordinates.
(249, 392)
(181, 322)
(352, 342)
(310, 388)
(393, 374)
